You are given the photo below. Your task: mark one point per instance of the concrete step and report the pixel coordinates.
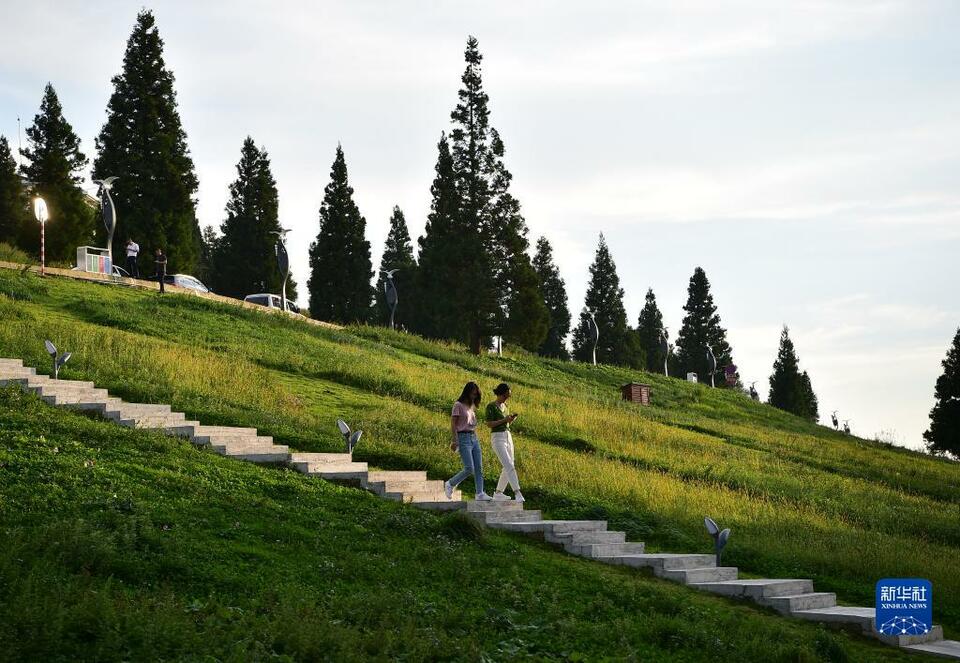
(552, 526)
(594, 550)
(941, 648)
(443, 505)
(232, 439)
(191, 428)
(521, 516)
(265, 456)
(841, 614)
(151, 421)
(237, 449)
(494, 505)
(660, 562)
(417, 486)
(757, 589)
(394, 475)
(321, 458)
(426, 496)
(787, 605)
(328, 468)
(934, 634)
(706, 574)
(10, 361)
(141, 409)
(586, 537)
(70, 398)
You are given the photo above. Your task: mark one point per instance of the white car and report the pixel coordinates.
(272, 301)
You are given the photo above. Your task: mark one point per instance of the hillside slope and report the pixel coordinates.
(803, 501)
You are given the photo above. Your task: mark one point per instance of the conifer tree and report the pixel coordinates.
(440, 284)
(209, 242)
(943, 436)
(143, 143)
(340, 265)
(55, 162)
(14, 202)
(473, 165)
(617, 344)
(790, 389)
(554, 293)
(397, 255)
(649, 329)
(245, 261)
(701, 326)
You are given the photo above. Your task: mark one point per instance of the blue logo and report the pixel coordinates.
(904, 606)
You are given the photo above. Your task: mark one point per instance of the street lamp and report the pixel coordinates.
(109, 212)
(390, 293)
(594, 335)
(40, 211)
(283, 263)
(665, 350)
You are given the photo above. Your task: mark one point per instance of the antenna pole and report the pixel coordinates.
(19, 145)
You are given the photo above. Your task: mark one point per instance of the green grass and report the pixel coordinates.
(802, 500)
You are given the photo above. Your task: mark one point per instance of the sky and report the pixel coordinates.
(806, 154)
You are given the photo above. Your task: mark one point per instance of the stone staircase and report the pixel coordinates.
(585, 538)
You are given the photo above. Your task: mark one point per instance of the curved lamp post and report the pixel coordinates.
(40, 211)
(109, 212)
(283, 264)
(665, 349)
(711, 364)
(390, 293)
(594, 334)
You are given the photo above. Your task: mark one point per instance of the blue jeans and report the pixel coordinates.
(469, 448)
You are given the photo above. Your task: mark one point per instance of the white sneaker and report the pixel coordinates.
(500, 497)
(448, 489)
(482, 497)
(518, 497)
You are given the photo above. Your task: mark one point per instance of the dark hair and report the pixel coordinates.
(466, 396)
(501, 389)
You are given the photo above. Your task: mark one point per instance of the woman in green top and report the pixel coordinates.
(499, 420)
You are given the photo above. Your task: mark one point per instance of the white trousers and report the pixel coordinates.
(503, 447)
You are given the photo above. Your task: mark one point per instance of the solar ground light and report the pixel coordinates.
(58, 360)
(350, 438)
(720, 538)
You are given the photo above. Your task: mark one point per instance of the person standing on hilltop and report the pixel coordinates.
(499, 419)
(133, 250)
(463, 426)
(161, 262)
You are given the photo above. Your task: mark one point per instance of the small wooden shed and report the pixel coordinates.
(636, 393)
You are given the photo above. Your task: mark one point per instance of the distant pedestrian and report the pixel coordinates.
(133, 250)
(161, 262)
(463, 426)
(499, 419)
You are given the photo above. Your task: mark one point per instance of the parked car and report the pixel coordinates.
(183, 281)
(272, 301)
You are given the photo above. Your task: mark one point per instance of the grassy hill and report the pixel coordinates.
(802, 500)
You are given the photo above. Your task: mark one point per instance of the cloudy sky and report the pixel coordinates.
(806, 154)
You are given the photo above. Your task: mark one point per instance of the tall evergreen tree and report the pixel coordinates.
(441, 285)
(649, 328)
(209, 242)
(143, 143)
(245, 261)
(14, 202)
(55, 162)
(790, 389)
(340, 265)
(943, 436)
(617, 343)
(473, 164)
(397, 255)
(554, 293)
(701, 326)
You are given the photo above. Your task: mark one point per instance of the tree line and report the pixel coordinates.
(471, 278)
